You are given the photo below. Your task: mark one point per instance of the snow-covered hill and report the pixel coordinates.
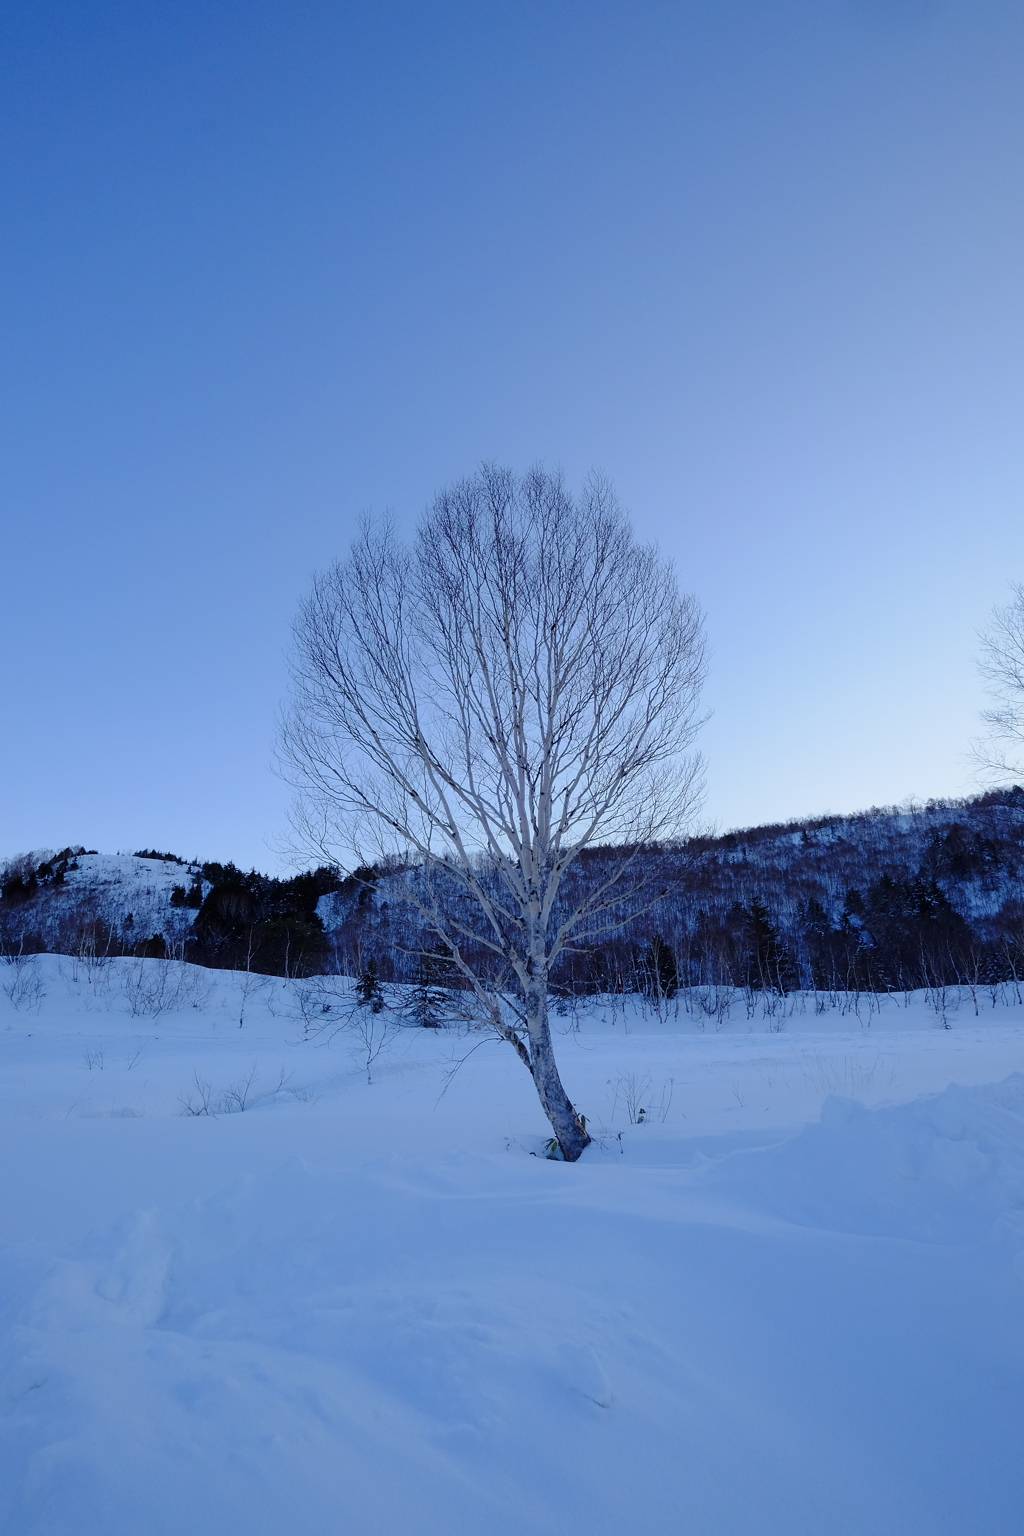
(56, 899)
(787, 1299)
(129, 893)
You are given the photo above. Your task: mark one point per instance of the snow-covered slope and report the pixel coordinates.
(130, 896)
(369, 1309)
(123, 886)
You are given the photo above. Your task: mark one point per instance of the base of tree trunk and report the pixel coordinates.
(572, 1146)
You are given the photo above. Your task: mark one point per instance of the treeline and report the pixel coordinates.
(255, 922)
(891, 899)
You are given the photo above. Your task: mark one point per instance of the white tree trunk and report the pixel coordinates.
(570, 1132)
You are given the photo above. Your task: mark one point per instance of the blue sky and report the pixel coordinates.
(268, 265)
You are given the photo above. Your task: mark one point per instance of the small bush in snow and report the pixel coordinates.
(23, 984)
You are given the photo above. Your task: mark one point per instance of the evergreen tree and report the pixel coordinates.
(369, 991)
(429, 1001)
(768, 964)
(814, 920)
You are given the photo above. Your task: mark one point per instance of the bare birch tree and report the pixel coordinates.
(1001, 664)
(519, 684)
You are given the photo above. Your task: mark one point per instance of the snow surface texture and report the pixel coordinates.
(763, 1310)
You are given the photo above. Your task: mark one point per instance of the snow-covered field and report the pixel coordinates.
(790, 1300)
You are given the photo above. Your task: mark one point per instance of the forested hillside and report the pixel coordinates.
(158, 905)
(883, 900)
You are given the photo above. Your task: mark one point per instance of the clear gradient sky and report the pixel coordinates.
(268, 264)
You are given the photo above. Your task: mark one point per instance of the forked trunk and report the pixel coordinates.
(570, 1132)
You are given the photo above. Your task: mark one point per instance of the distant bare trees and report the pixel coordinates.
(1001, 664)
(520, 684)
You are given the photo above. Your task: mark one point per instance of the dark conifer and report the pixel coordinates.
(768, 963)
(369, 992)
(429, 1001)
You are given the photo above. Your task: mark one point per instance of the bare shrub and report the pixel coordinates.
(373, 1031)
(250, 984)
(23, 983)
(710, 1002)
(370, 1017)
(319, 1003)
(88, 958)
(193, 985)
(634, 1093)
(198, 1100)
(150, 987)
(846, 1075)
(235, 1099)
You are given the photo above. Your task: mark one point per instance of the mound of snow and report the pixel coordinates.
(947, 1168)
